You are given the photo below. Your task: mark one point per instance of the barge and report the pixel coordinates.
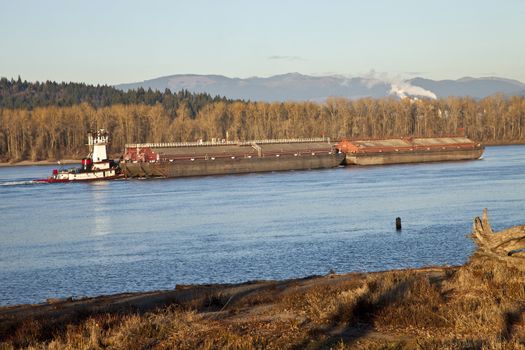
(409, 150)
(167, 160)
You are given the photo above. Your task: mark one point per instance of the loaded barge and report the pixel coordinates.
(166, 160)
(409, 150)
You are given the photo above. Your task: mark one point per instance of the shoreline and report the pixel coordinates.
(490, 144)
(40, 162)
(395, 309)
(147, 296)
(208, 300)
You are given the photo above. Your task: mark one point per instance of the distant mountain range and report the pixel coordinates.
(299, 87)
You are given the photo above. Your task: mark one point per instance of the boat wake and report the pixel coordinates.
(20, 183)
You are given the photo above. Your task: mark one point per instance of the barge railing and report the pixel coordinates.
(224, 143)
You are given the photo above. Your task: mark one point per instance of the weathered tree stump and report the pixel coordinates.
(507, 245)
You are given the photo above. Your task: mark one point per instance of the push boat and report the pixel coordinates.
(96, 166)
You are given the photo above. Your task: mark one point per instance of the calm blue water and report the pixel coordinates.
(86, 239)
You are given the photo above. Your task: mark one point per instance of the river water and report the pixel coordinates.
(87, 239)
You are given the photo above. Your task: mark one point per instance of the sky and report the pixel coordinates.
(122, 41)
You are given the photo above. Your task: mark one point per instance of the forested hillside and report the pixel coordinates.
(18, 94)
(55, 132)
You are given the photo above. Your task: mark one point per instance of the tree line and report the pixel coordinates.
(18, 94)
(55, 132)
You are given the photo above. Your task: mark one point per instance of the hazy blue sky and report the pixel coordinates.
(108, 42)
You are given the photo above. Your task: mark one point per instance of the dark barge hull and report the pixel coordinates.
(219, 158)
(201, 167)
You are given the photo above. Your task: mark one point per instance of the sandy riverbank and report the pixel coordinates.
(428, 308)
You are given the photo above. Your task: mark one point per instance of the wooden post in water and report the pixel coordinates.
(398, 224)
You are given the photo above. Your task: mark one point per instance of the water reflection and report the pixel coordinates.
(100, 201)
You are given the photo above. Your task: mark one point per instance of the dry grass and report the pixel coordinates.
(477, 306)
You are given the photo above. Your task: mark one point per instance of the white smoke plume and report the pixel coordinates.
(404, 89)
(399, 86)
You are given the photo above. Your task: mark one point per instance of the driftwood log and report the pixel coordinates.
(507, 245)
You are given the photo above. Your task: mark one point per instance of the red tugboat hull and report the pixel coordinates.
(49, 180)
(52, 180)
